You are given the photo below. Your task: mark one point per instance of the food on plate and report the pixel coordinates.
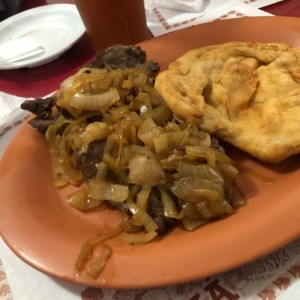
(247, 94)
(111, 133)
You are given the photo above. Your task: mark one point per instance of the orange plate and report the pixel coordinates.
(39, 226)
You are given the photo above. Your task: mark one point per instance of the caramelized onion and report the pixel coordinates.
(139, 238)
(147, 157)
(184, 188)
(96, 267)
(105, 190)
(139, 216)
(93, 102)
(88, 247)
(169, 141)
(205, 171)
(95, 131)
(169, 207)
(145, 170)
(82, 201)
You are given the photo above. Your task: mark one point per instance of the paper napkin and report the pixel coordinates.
(10, 112)
(164, 16)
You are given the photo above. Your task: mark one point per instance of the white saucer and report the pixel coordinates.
(56, 27)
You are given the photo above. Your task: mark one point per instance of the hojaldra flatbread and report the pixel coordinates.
(247, 94)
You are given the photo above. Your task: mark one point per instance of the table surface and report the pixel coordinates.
(42, 80)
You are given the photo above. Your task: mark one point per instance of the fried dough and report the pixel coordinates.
(247, 94)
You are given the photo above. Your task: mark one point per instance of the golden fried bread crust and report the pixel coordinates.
(247, 94)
